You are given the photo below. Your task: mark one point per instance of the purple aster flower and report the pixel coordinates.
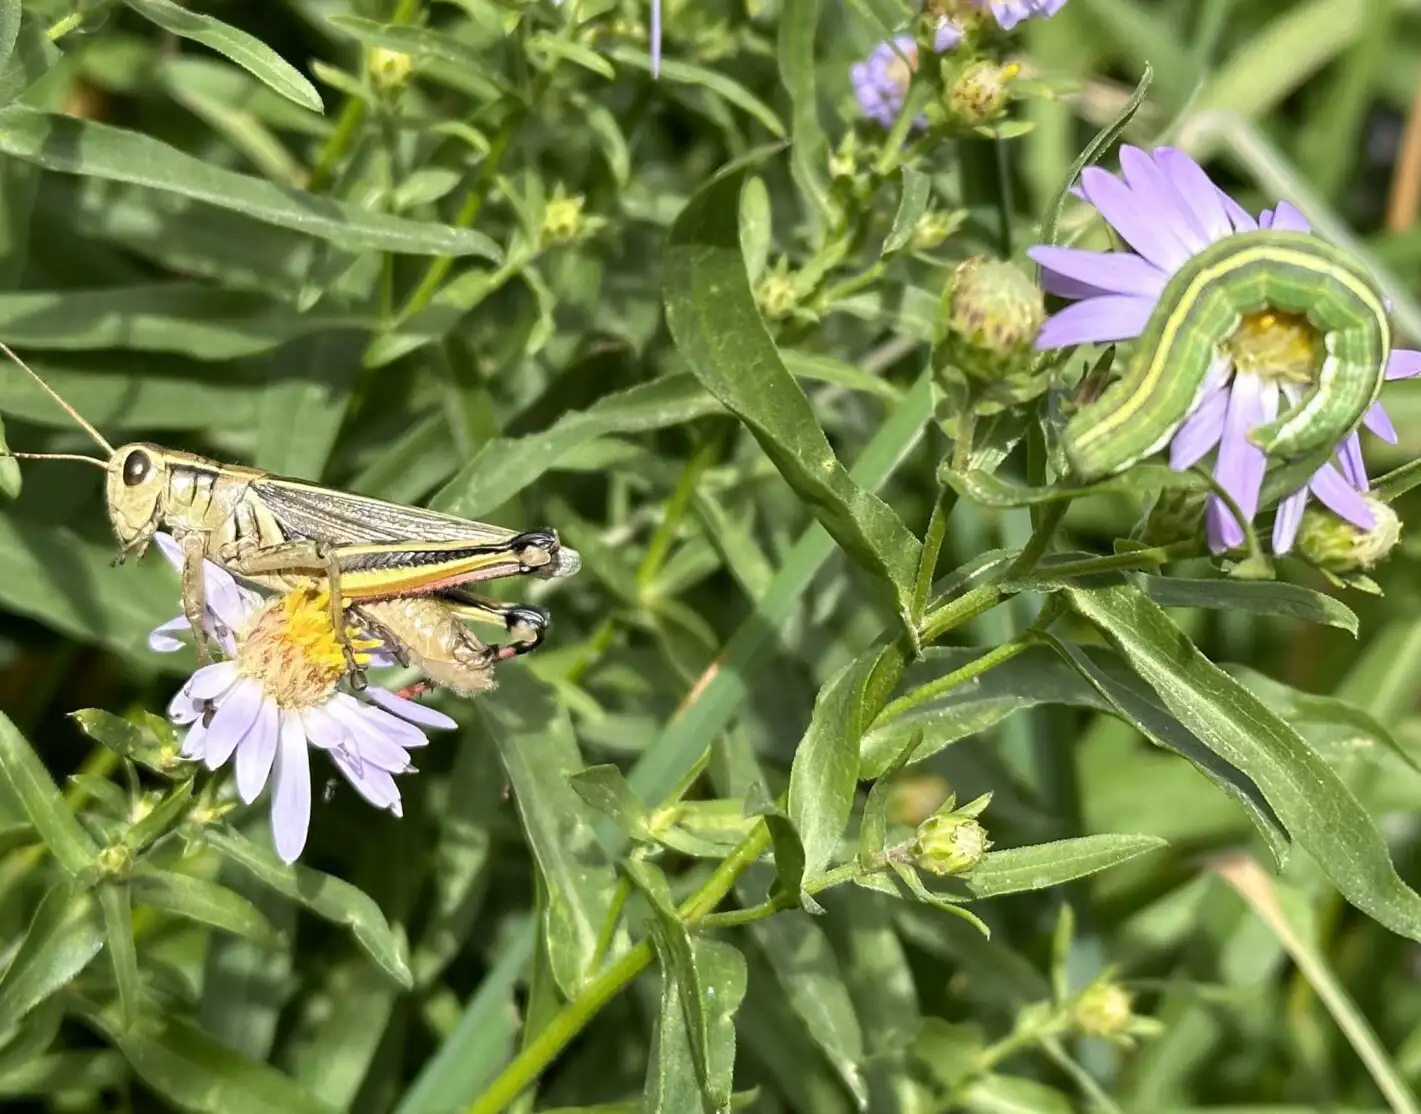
(276, 696)
(1008, 13)
(881, 80)
(947, 35)
(1166, 208)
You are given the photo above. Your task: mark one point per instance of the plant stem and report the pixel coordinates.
(352, 115)
(946, 683)
(953, 614)
(932, 548)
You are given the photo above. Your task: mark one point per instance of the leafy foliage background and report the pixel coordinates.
(309, 261)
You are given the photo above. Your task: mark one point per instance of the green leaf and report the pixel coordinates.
(62, 939)
(57, 1074)
(713, 318)
(605, 789)
(1314, 804)
(809, 153)
(202, 901)
(672, 1086)
(423, 44)
(140, 744)
(1021, 869)
(992, 490)
(916, 190)
(535, 738)
(30, 58)
(22, 769)
(10, 16)
(10, 480)
(873, 828)
(118, 937)
(675, 71)
(808, 973)
(1253, 597)
(197, 1073)
(329, 898)
(250, 53)
(504, 466)
(826, 369)
(824, 776)
(573, 52)
(299, 417)
(97, 150)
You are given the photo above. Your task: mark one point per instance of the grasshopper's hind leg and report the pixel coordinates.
(194, 591)
(526, 626)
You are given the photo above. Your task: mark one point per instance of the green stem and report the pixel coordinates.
(352, 116)
(949, 681)
(61, 27)
(932, 548)
(1134, 559)
(608, 931)
(659, 548)
(965, 608)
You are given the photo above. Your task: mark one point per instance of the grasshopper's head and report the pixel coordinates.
(137, 478)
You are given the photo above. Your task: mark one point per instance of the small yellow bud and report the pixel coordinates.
(934, 228)
(115, 860)
(1104, 1009)
(389, 69)
(777, 296)
(562, 219)
(991, 313)
(1333, 544)
(950, 843)
(981, 92)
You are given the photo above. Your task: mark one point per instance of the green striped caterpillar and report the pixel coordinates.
(1201, 306)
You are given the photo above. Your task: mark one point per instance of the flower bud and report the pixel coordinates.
(389, 69)
(1177, 515)
(991, 312)
(1104, 1009)
(1335, 545)
(777, 295)
(981, 92)
(935, 227)
(562, 219)
(952, 842)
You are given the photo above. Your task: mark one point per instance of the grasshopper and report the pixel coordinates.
(430, 634)
(283, 534)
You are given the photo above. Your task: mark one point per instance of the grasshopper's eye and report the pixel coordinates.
(136, 468)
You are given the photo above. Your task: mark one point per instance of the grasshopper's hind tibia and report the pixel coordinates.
(526, 626)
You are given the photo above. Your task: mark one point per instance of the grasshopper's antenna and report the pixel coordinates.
(104, 464)
(79, 418)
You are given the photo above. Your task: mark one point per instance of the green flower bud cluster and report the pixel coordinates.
(1336, 546)
(951, 841)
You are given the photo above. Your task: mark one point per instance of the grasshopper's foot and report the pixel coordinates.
(535, 549)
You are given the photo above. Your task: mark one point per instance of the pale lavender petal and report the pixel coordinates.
(1065, 287)
(1117, 272)
(366, 736)
(161, 640)
(231, 722)
(211, 681)
(1287, 218)
(1403, 363)
(403, 733)
(1201, 430)
(195, 742)
(1341, 498)
(1353, 466)
(1379, 422)
(228, 602)
(1196, 190)
(1240, 464)
(409, 709)
(169, 548)
(1142, 229)
(182, 708)
(1287, 520)
(1114, 317)
(1160, 198)
(655, 38)
(371, 782)
(257, 750)
(291, 792)
(1238, 215)
(948, 36)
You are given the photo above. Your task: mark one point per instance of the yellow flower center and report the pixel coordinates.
(1277, 345)
(292, 649)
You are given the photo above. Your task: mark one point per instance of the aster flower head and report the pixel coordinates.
(1008, 13)
(276, 695)
(1165, 208)
(881, 80)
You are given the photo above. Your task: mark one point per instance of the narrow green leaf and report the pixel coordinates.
(250, 53)
(713, 318)
(1021, 869)
(329, 898)
(299, 417)
(63, 937)
(160, 819)
(31, 57)
(826, 369)
(535, 738)
(341, 1054)
(117, 912)
(22, 769)
(824, 776)
(95, 150)
(506, 465)
(1253, 597)
(56, 1074)
(605, 789)
(684, 73)
(1314, 804)
(915, 191)
(574, 52)
(202, 901)
(128, 740)
(809, 154)
(10, 16)
(423, 44)
(672, 1086)
(197, 1073)
(10, 480)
